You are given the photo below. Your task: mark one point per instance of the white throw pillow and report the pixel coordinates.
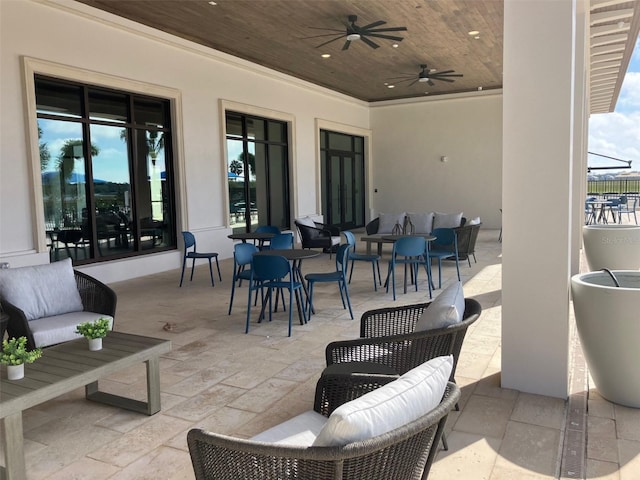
(388, 221)
(306, 221)
(41, 290)
(474, 221)
(422, 222)
(447, 309)
(446, 220)
(391, 406)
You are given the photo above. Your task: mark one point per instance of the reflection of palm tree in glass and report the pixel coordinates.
(236, 167)
(70, 152)
(45, 155)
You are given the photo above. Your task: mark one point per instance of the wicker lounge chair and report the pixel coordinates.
(96, 297)
(404, 453)
(388, 338)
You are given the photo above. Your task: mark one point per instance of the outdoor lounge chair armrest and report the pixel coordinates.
(333, 231)
(96, 296)
(18, 325)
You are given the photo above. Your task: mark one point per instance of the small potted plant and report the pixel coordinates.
(15, 354)
(95, 332)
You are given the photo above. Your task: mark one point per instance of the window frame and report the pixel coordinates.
(32, 67)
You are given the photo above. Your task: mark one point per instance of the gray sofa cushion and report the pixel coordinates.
(41, 290)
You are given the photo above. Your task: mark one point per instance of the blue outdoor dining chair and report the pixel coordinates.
(282, 241)
(339, 276)
(444, 246)
(625, 208)
(273, 272)
(373, 258)
(410, 251)
(190, 241)
(262, 244)
(242, 257)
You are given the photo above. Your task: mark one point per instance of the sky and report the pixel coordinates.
(617, 134)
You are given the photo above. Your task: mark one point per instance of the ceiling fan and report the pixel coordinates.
(354, 32)
(427, 75)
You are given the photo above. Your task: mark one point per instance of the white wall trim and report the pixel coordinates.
(436, 98)
(33, 66)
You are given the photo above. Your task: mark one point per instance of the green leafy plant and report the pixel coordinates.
(97, 329)
(14, 352)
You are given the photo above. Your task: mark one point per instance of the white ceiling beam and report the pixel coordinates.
(604, 49)
(605, 73)
(596, 4)
(610, 16)
(603, 65)
(608, 39)
(609, 29)
(606, 58)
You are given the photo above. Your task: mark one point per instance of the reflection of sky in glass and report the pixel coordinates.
(112, 162)
(108, 165)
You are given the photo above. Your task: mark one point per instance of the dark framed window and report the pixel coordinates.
(258, 172)
(107, 171)
(343, 179)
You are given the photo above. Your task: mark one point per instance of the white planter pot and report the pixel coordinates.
(95, 344)
(608, 323)
(15, 372)
(616, 247)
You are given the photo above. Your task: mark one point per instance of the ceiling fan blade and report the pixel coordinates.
(369, 42)
(402, 79)
(388, 29)
(333, 40)
(441, 73)
(328, 29)
(443, 79)
(437, 75)
(388, 37)
(430, 83)
(413, 83)
(373, 25)
(319, 36)
(346, 45)
(403, 75)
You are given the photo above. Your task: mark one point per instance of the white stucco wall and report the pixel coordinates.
(76, 36)
(410, 139)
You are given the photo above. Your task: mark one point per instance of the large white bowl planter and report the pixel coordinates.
(608, 321)
(612, 246)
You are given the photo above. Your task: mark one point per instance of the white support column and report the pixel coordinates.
(539, 114)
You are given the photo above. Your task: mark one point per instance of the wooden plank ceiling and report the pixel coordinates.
(274, 33)
(285, 35)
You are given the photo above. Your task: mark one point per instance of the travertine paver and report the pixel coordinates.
(220, 379)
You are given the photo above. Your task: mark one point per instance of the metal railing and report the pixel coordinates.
(598, 187)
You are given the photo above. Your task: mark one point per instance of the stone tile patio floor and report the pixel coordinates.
(220, 379)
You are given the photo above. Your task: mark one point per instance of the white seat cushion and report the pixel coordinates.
(41, 290)
(335, 240)
(391, 406)
(447, 309)
(301, 430)
(307, 221)
(61, 328)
